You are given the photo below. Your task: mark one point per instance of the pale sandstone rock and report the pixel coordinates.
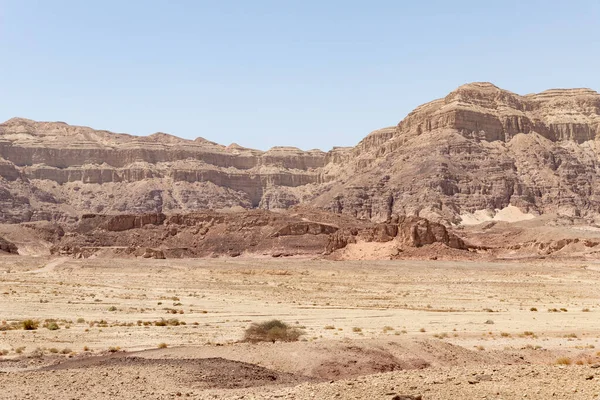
(479, 148)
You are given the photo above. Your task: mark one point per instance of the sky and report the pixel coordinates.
(263, 73)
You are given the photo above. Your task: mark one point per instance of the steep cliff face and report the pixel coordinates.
(479, 148)
(77, 170)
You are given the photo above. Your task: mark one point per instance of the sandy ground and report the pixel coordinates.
(374, 329)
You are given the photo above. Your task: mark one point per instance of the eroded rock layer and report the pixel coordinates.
(479, 148)
(249, 233)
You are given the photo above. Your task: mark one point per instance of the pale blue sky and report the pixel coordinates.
(260, 73)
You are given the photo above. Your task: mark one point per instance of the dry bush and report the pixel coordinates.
(563, 361)
(272, 331)
(30, 325)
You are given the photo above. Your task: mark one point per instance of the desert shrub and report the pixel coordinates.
(168, 322)
(163, 346)
(563, 361)
(272, 331)
(356, 329)
(37, 353)
(533, 309)
(112, 308)
(571, 336)
(80, 320)
(30, 325)
(52, 326)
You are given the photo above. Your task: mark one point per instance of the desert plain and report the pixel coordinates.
(155, 329)
(454, 255)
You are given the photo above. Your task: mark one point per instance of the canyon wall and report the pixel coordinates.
(479, 148)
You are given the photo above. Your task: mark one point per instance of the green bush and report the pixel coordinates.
(272, 331)
(52, 326)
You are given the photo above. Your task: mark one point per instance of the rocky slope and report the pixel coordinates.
(249, 233)
(57, 171)
(479, 148)
(8, 247)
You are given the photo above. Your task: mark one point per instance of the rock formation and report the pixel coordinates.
(479, 148)
(256, 232)
(8, 247)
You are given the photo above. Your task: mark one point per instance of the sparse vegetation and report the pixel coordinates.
(30, 325)
(272, 331)
(51, 326)
(534, 309)
(163, 345)
(563, 361)
(356, 329)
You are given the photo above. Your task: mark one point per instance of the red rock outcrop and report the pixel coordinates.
(258, 232)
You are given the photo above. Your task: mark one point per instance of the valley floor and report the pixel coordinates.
(131, 328)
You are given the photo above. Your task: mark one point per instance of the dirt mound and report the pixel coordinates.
(207, 373)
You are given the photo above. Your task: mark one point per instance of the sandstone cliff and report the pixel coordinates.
(479, 148)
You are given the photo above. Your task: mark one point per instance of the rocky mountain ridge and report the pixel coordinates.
(479, 148)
